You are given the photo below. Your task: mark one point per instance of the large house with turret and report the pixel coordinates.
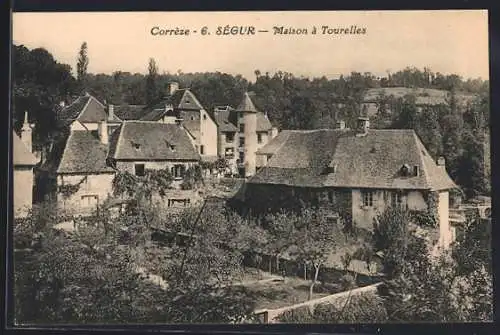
(241, 133)
(356, 173)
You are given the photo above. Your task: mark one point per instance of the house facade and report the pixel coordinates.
(241, 133)
(356, 173)
(99, 144)
(138, 146)
(182, 106)
(23, 163)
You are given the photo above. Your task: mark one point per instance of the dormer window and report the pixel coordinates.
(405, 170)
(137, 146)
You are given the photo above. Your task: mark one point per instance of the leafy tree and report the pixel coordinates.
(315, 239)
(152, 92)
(82, 64)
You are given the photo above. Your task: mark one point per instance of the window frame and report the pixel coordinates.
(368, 198)
(143, 169)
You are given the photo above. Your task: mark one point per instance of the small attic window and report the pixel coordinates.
(415, 170)
(405, 170)
(136, 145)
(373, 150)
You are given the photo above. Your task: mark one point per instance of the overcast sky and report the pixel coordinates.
(445, 41)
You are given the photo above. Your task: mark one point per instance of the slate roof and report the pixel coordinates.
(339, 158)
(223, 121)
(181, 99)
(143, 140)
(85, 109)
(227, 121)
(21, 156)
(246, 104)
(84, 154)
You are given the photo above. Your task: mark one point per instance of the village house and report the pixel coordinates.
(182, 106)
(138, 146)
(83, 164)
(357, 173)
(23, 163)
(241, 132)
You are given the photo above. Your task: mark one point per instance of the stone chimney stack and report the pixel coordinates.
(340, 124)
(172, 87)
(103, 132)
(247, 108)
(441, 162)
(111, 112)
(27, 133)
(363, 126)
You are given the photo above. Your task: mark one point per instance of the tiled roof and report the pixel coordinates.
(222, 118)
(339, 158)
(271, 147)
(84, 153)
(246, 104)
(227, 121)
(193, 127)
(84, 109)
(21, 156)
(142, 140)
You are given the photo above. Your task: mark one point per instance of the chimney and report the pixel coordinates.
(173, 86)
(441, 162)
(363, 126)
(111, 112)
(103, 132)
(340, 124)
(274, 132)
(27, 133)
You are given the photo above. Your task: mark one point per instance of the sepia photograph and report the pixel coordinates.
(272, 167)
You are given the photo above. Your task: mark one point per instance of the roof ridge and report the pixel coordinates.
(65, 147)
(84, 108)
(422, 150)
(119, 139)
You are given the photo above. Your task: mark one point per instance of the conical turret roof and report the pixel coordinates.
(246, 105)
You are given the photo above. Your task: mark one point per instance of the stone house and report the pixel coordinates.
(138, 146)
(241, 132)
(182, 106)
(23, 162)
(356, 173)
(82, 164)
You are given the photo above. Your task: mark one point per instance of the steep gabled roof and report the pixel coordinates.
(142, 140)
(86, 109)
(339, 158)
(246, 104)
(21, 156)
(84, 154)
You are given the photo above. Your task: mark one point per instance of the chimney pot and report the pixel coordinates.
(111, 112)
(441, 161)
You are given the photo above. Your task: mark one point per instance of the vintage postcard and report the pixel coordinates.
(251, 167)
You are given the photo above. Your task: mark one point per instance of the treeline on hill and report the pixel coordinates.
(455, 131)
